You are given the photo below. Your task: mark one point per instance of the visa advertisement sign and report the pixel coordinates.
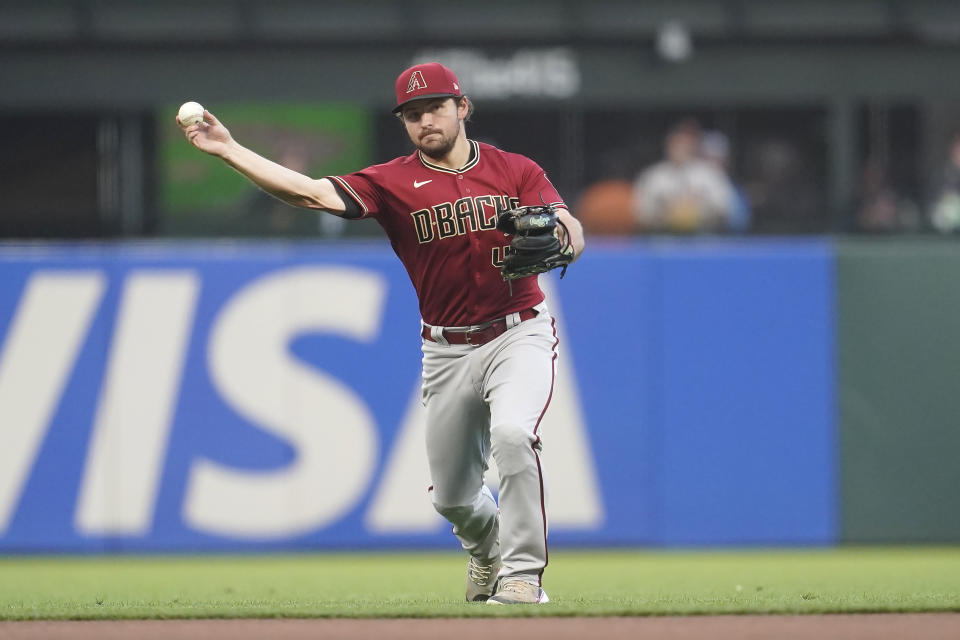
(250, 396)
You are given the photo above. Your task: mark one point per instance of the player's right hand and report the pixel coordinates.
(210, 136)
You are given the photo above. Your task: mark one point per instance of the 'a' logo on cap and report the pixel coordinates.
(416, 82)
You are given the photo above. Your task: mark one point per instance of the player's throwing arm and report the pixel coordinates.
(208, 134)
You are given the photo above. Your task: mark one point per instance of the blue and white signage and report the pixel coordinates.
(266, 396)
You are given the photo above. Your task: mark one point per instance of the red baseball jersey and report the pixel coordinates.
(442, 225)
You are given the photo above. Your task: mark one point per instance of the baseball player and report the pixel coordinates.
(489, 342)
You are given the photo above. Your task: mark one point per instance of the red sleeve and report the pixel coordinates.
(364, 188)
(535, 187)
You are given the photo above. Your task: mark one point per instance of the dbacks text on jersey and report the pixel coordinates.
(449, 219)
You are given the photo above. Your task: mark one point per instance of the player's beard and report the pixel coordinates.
(439, 149)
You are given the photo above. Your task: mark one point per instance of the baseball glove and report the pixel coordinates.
(536, 246)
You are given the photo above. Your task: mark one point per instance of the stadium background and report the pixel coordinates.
(790, 385)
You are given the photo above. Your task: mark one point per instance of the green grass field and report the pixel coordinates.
(431, 585)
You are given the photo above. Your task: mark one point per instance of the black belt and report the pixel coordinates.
(479, 335)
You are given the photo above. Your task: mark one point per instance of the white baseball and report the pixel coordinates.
(191, 113)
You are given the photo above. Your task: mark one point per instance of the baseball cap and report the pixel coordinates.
(430, 80)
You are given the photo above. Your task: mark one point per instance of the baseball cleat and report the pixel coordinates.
(517, 591)
(482, 578)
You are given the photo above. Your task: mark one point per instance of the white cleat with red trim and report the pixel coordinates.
(518, 591)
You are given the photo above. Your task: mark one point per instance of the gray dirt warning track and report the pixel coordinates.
(923, 626)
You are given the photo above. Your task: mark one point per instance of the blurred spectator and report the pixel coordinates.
(715, 150)
(879, 207)
(606, 208)
(683, 193)
(783, 194)
(945, 213)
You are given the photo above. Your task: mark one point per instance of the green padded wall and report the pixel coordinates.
(899, 389)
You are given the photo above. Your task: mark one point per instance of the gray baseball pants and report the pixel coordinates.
(483, 401)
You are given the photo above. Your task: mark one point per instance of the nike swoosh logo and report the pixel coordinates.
(417, 185)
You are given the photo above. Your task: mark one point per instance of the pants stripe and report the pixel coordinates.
(543, 505)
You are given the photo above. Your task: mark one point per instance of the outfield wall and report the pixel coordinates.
(265, 396)
(899, 373)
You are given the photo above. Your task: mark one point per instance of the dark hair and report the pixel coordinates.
(686, 125)
(469, 108)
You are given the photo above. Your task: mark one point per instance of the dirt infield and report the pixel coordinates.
(931, 626)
